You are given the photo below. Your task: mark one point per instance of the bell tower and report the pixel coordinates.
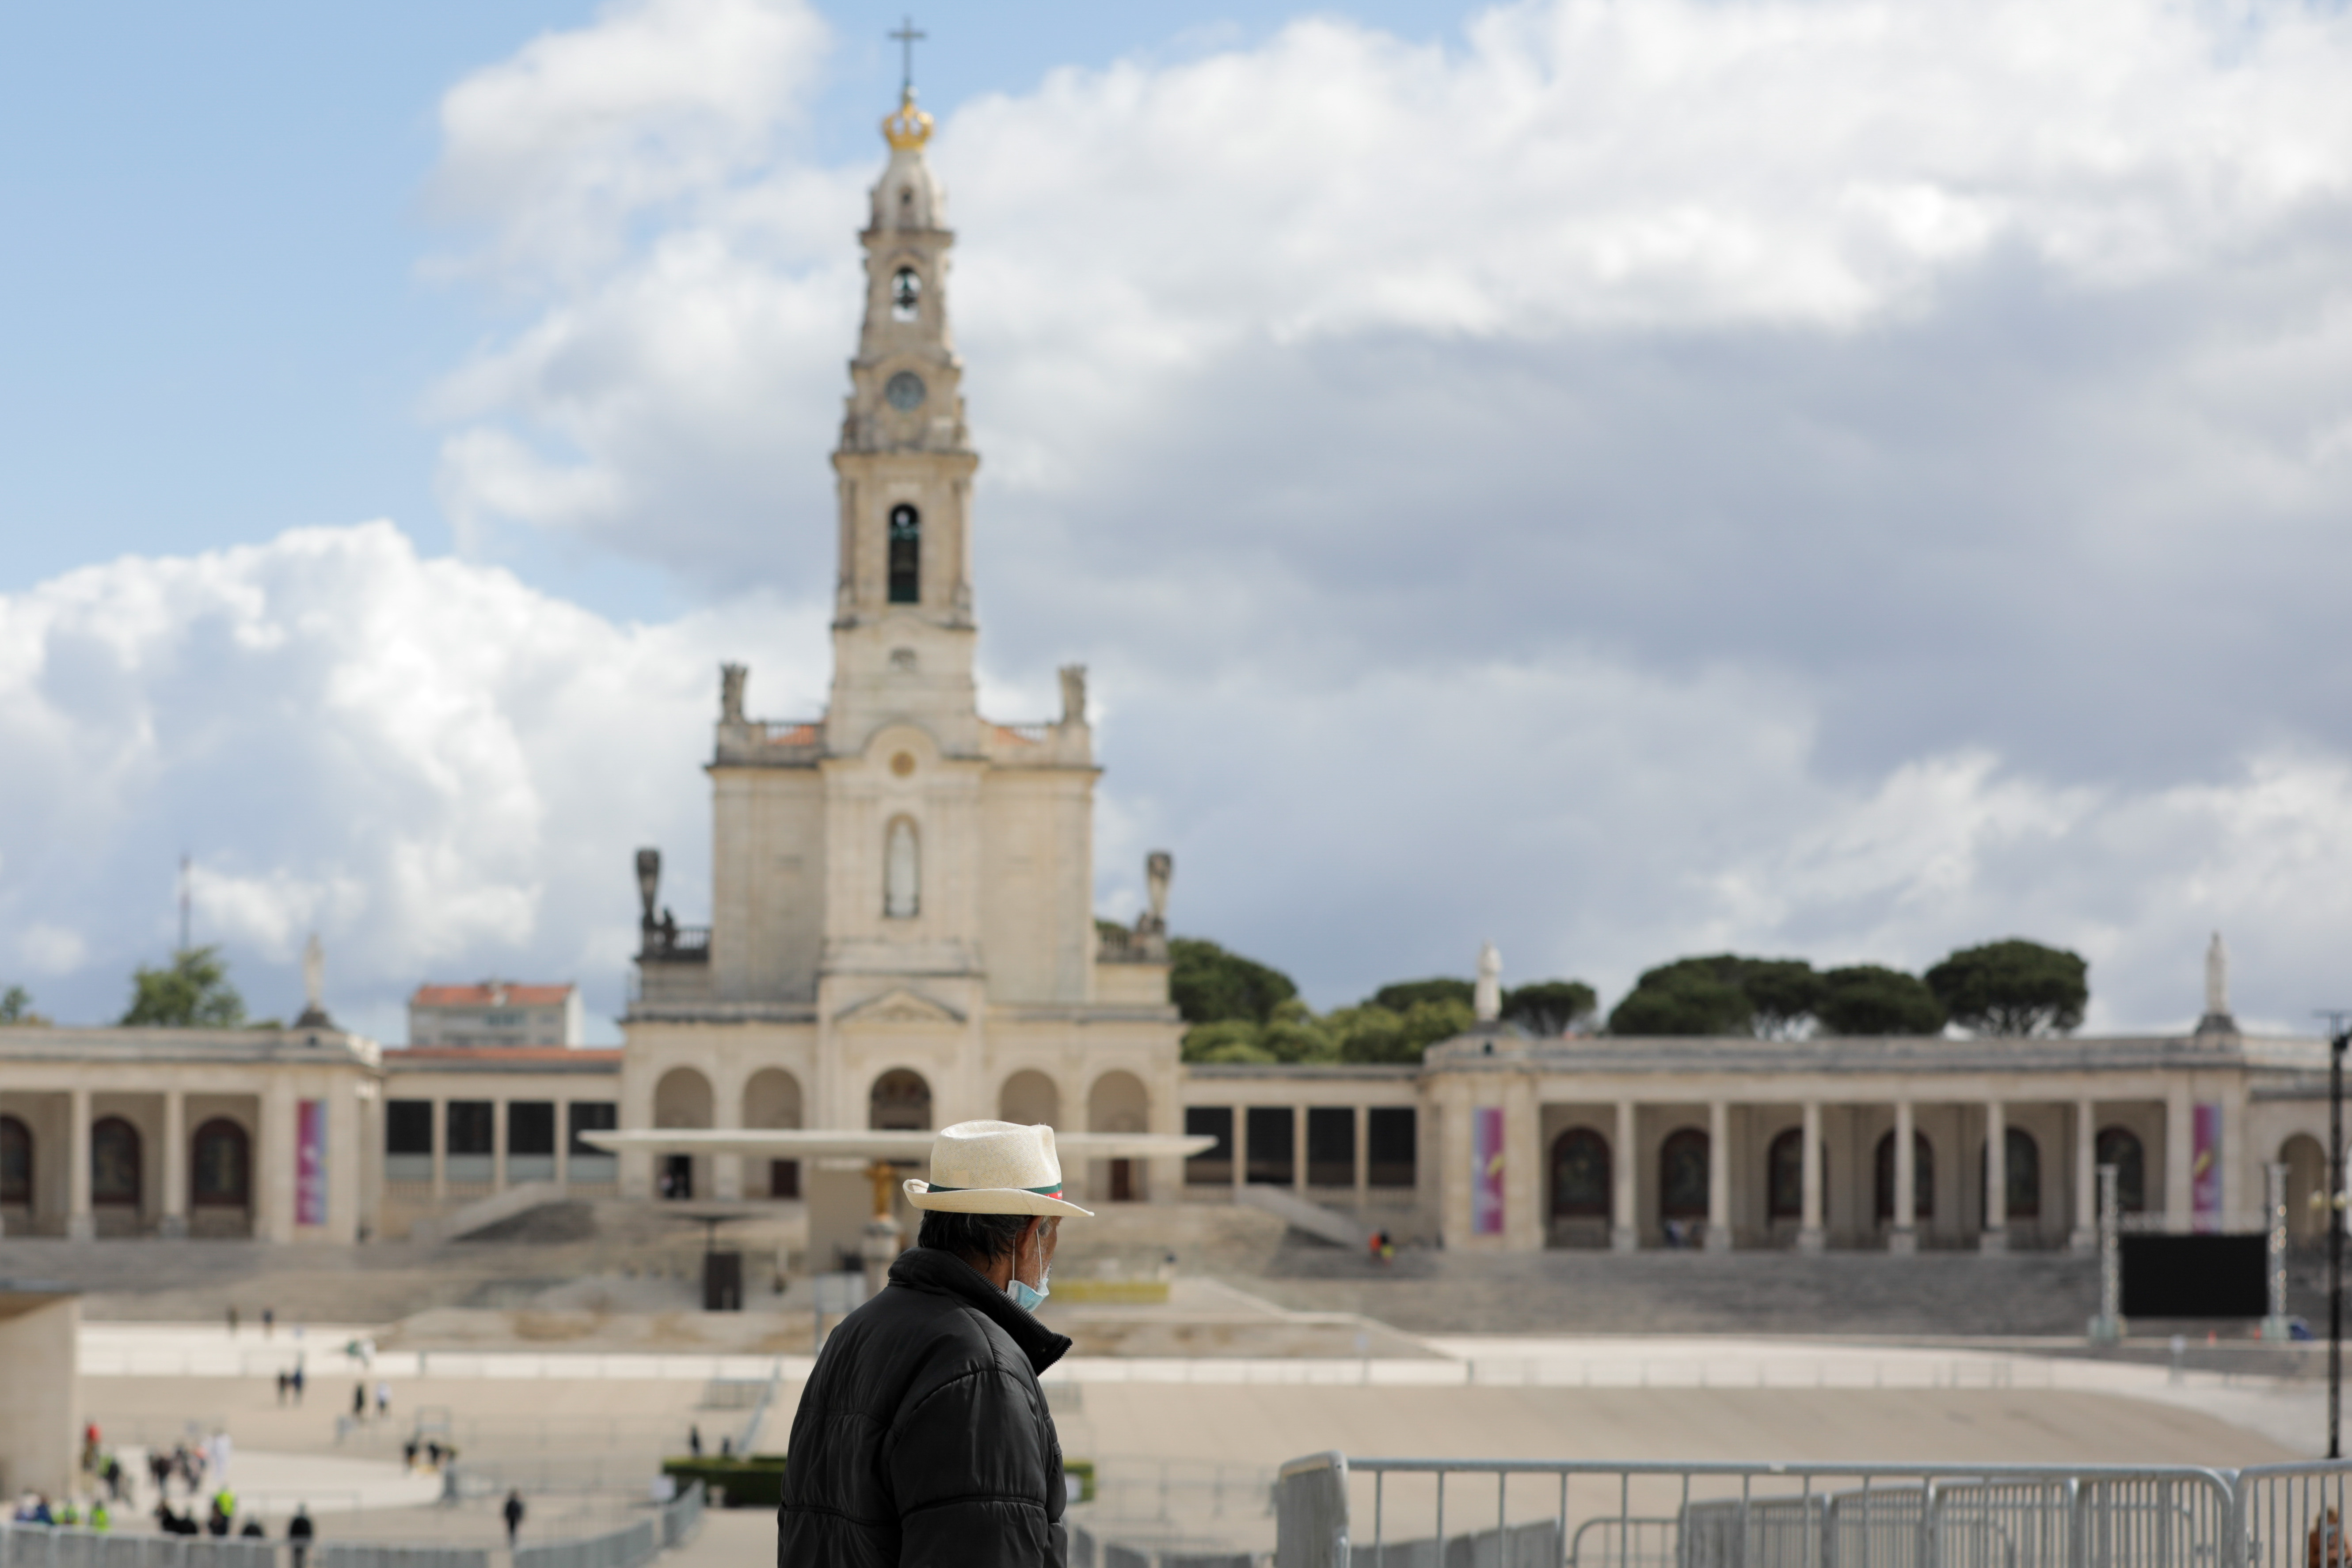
(902, 630)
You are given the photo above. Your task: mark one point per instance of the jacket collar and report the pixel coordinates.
(945, 1274)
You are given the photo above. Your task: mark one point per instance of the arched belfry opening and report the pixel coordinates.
(906, 555)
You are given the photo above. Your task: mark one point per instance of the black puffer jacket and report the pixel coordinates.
(922, 1437)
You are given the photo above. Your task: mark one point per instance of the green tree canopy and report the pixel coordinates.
(17, 1007)
(1546, 1008)
(1208, 984)
(1403, 995)
(1721, 994)
(1869, 999)
(2013, 987)
(1369, 1033)
(193, 993)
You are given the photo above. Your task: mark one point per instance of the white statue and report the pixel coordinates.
(2217, 978)
(1486, 997)
(314, 976)
(1158, 867)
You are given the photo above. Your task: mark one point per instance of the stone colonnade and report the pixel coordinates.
(1638, 1164)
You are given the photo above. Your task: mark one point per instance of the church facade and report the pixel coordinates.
(902, 930)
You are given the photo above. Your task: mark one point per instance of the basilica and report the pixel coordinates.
(902, 935)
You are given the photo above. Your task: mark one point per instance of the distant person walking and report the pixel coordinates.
(922, 1436)
(298, 1532)
(359, 1401)
(694, 1441)
(382, 1398)
(513, 1510)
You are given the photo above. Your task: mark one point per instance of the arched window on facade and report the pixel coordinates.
(220, 1166)
(902, 871)
(2023, 1155)
(2120, 1147)
(15, 1162)
(1682, 1176)
(1923, 1176)
(114, 1163)
(1579, 1174)
(906, 555)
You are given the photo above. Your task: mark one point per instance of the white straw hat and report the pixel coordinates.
(994, 1167)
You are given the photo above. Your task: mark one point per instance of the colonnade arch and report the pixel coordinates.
(682, 1098)
(772, 1098)
(1030, 1097)
(2306, 1159)
(899, 1101)
(1119, 1103)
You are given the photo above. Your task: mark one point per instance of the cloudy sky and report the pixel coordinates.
(1619, 477)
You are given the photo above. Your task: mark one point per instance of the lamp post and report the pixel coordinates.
(2339, 1035)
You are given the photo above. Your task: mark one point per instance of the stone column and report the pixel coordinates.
(175, 1153)
(1454, 1169)
(440, 1152)
(1811, 1235)
(1241, 1150)
(1995, 1236)
(2085, 1236)
(346, 1163)
(1524, 1219)
(500, 1181)
(2180, 1154)
(1903, 1237)
(1718, 1176)
(1363, 1158)
(1624, 1196)
(275, 1180)
(79, 1223)
(727, 1169)
(1298, 1150)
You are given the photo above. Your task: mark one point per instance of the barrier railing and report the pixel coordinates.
(66, 1546)
(1333, 1512)
(367, 1554)
(627, 1547)
(681, 1517)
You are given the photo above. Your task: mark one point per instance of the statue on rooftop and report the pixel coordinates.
(2217, 1019)
(730, 692)
(1486, 997)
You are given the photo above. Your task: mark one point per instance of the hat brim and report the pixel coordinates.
(990, 1200)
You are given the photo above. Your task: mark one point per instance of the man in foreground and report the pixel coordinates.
(922, 1439)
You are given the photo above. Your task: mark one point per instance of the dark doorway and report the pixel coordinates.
(678, 1177)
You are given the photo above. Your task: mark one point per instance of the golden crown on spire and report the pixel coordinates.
(908, 127)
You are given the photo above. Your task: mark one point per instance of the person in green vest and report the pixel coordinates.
(68, 1514)
(99, 1517)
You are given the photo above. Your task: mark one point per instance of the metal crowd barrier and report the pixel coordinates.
(1332, 1511)
(627, 1547)
(67, 1546)
(367, 1554)
(681, 1517)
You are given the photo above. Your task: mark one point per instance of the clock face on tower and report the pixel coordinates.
(905, 391)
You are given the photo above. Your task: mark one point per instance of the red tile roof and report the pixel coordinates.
(482, 996)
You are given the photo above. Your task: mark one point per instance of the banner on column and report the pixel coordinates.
(309, 1162)
(1487, 1169)
(2205, 1166)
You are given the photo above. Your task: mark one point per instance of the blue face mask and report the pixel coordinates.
(1027, 1296)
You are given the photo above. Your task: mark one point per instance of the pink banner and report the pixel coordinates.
(2205, 1166)
(309, 1162)
(1487, 1169)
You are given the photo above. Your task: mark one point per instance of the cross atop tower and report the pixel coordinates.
(908, 37)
